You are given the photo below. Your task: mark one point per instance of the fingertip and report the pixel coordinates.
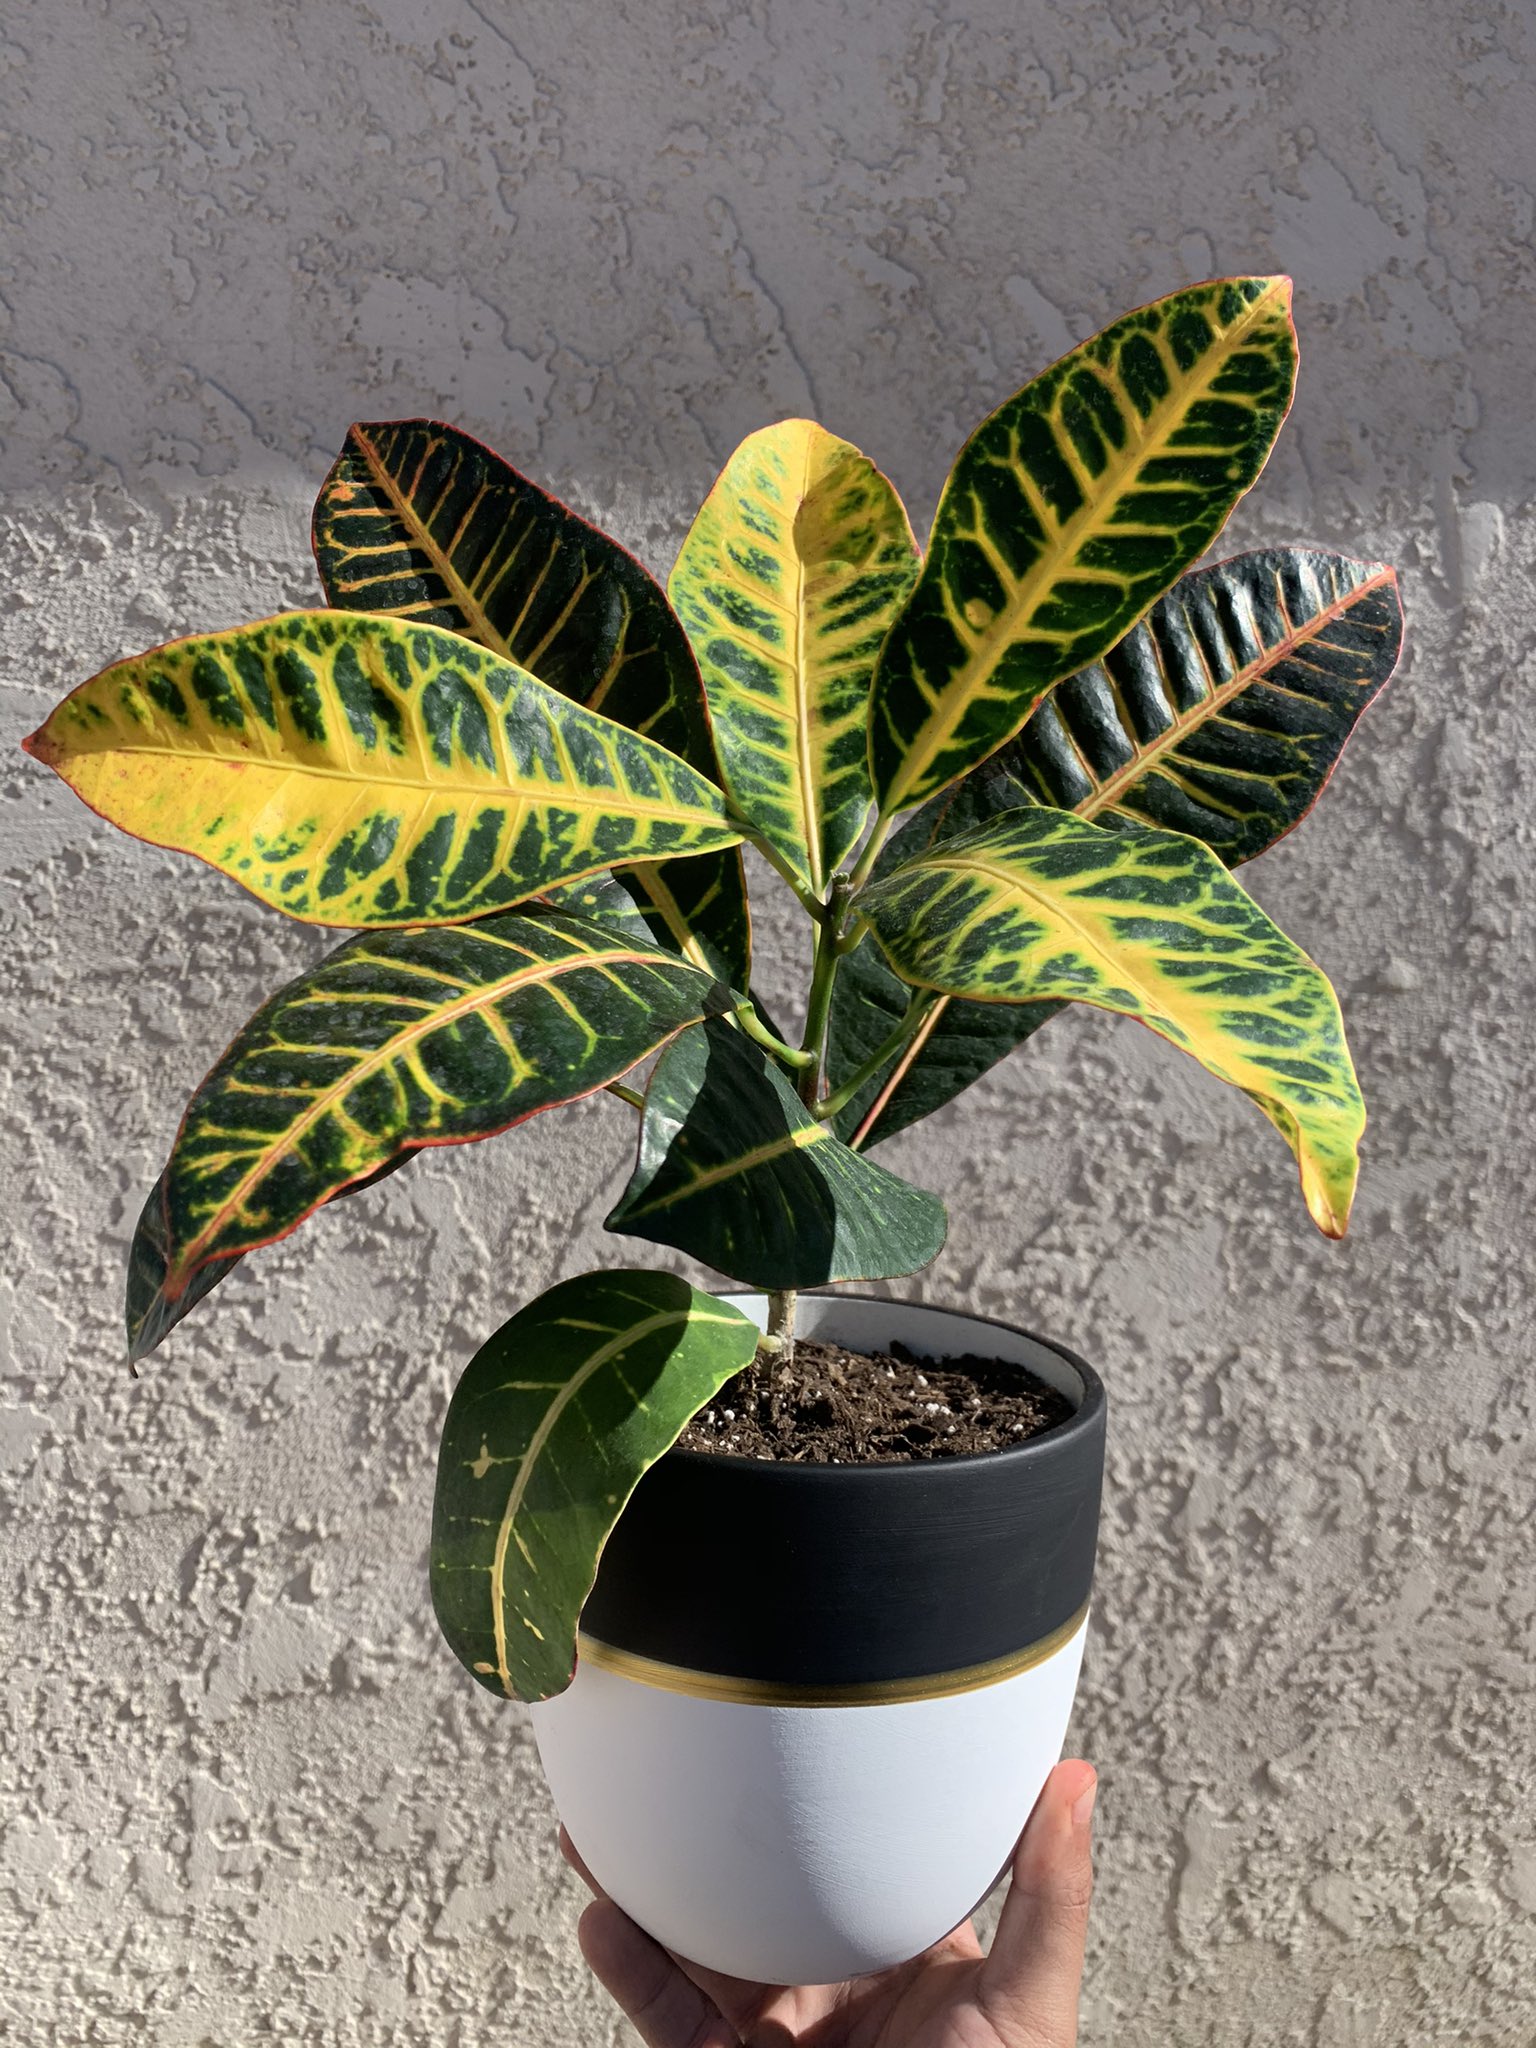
(1065, 1804)
(605, 1937)
(1079, 1788)
(1036, 1959)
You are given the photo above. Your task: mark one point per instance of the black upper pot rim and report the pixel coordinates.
(1083, 1419)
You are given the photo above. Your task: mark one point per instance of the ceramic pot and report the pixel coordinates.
(814, 1704)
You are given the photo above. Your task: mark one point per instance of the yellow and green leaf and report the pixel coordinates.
(397, 1040)
(1068, 513)
(557, 1418)
(353, 770)
(791, 573)
(1039, 906)
(733, 1170)
(1222, 715)
(419, 521)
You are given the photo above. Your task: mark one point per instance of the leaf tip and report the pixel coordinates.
(1329, 1200)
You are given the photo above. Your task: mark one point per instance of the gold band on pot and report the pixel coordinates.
(763, 1692)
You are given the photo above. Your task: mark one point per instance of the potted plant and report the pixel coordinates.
(1010, 776)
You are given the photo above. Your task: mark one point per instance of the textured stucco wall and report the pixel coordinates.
(244, 1795)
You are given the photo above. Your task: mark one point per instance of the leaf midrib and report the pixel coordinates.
(577, 795)
(485, 632)
(1147, 759)
(743, 1162)
(810, 808)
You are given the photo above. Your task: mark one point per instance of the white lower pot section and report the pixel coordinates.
(794, 1844)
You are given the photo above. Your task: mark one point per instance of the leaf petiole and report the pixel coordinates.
(912, 1018)
(809, 901)
(879, 833)
(759, 1033)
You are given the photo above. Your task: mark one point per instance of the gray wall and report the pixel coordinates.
(246, 1795)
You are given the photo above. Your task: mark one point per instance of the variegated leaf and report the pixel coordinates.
(734, 1170)
(1042, 906)
(353, 770)
(1068, 513)
(397, 1040)
(148, 1313)
(557, 1418)
(1222, 715)
(1225, 711)
(419, 521)
(786, 584)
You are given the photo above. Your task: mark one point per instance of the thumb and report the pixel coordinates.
(1031, 1980)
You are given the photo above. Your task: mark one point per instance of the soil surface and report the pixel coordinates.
(829, 1406)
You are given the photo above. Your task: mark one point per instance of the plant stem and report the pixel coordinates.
(779, 1337)
(757, 1030)
(809, 901)
(871, 853)
(912, 1018)
(819, 1003)
(629, 1095)
(898, 1073)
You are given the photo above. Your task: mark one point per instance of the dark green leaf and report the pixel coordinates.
(554, 1422)
(735, 1171)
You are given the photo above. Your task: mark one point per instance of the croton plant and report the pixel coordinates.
(1009, 775)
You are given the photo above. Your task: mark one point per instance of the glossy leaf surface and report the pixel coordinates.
(552, 1426)
(786, 584)
(1068, 513)
(398, 1040)
(422, 522)
(353, 770)
(733, 1170)
(1223, 715)
(1225, 711)
(957, 1043)
(1043, 906)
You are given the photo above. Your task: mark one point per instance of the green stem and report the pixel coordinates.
(629, 1095)
(871, 853)
(823, 979)
(920, 1003)
(810, 902)
(758, 1031)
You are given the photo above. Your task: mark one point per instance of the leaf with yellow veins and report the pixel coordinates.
(791, 573)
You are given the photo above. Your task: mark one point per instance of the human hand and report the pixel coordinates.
(1022, 1995)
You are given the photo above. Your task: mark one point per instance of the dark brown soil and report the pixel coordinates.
(828, 1406)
